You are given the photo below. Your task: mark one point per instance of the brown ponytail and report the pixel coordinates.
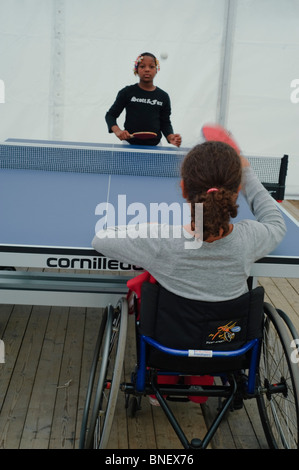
(216, 166)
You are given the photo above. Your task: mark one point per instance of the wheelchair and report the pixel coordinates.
(247, 346)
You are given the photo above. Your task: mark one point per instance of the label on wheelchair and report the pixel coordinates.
(200, 353)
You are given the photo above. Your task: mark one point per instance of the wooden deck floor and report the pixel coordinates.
(43, 382)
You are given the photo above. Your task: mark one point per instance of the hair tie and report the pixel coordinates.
(140, 59)
(212, 190)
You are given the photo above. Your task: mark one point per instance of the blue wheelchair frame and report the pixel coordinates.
(254, 345)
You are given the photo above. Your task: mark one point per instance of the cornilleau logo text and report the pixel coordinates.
(97, 263)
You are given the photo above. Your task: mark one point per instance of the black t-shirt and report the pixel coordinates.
(146, 111)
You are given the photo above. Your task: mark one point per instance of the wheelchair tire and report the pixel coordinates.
(91, 381)
(105, 378)
(278, 383)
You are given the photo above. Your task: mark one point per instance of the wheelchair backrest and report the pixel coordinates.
(180, 323)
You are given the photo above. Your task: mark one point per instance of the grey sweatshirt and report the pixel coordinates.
(214, 271)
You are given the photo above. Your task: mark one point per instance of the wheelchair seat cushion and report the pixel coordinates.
(180, 323)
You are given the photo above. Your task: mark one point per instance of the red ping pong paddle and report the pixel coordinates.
(215, 132)
(144, 135)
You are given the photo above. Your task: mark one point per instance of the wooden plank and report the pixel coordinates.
(295, 284)
(23, 342)
(37, 428)
(292, 207)
(282, 295)
(66, 403)
(5, 313)
(242, 430)
(254, 417)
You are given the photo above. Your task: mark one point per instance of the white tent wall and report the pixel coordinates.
(25, 51)
(232, 61)
(264, 63)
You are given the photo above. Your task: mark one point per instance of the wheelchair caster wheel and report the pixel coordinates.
(133, 406)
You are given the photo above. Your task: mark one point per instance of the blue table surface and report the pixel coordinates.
(49, 209)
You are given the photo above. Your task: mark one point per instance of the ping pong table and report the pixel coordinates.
(53, 196)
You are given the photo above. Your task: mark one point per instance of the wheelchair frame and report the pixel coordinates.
(273, 380)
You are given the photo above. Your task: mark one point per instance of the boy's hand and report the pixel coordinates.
(121, 134)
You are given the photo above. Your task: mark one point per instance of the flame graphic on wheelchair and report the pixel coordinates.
(225, 333)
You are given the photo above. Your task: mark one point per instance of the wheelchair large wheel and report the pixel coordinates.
(92, 379)
(105, 376)
(278, 379)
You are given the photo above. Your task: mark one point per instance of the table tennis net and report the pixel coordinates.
(124, 161)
